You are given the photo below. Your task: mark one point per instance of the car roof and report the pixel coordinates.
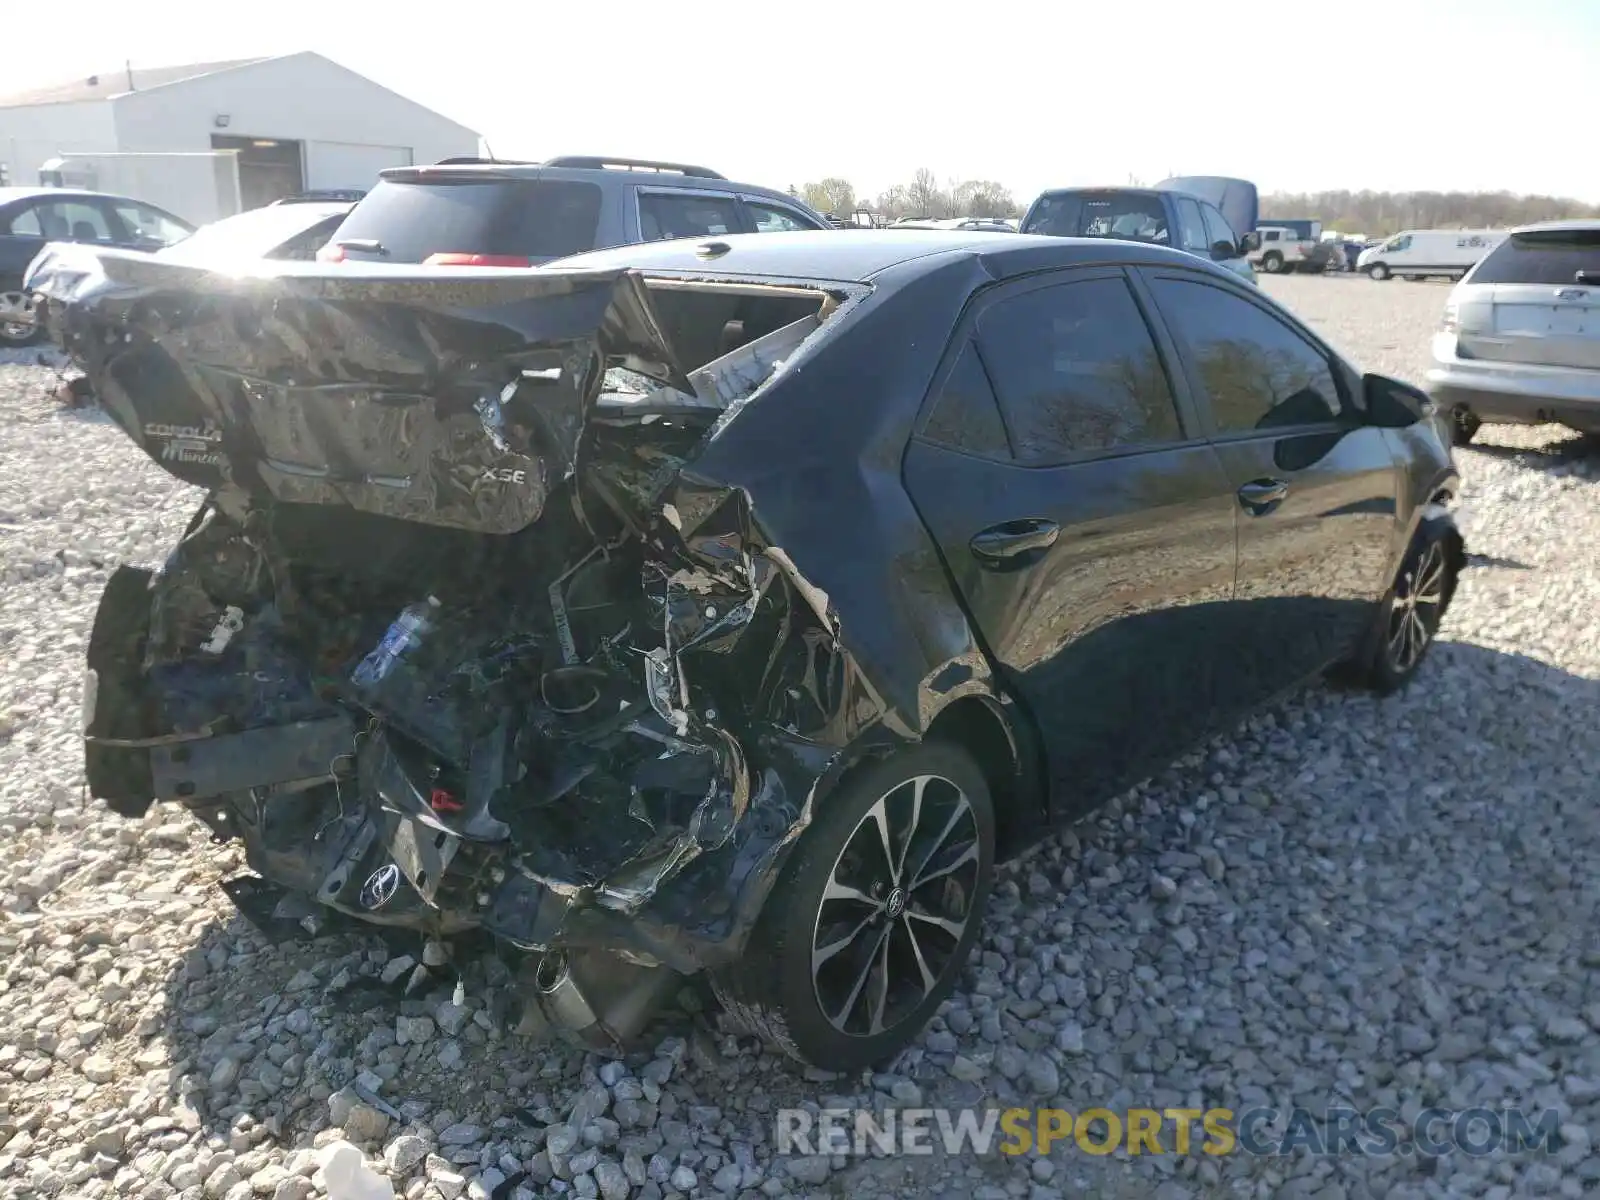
(857, 256)
(642, 178)
(1571, 225)
(1110, 187)
(9, 195)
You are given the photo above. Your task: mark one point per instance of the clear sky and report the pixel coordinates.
(1384, 94)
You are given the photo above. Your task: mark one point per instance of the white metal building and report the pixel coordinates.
(297, 122)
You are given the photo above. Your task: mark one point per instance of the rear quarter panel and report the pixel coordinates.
(819, 454)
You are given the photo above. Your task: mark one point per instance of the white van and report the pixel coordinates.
(1420, 253)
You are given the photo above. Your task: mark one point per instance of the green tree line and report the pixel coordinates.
(922, 196)
(1375, 214)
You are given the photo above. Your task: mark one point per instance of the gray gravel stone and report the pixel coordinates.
(1388, 902)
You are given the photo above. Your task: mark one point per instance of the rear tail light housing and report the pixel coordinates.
(451, 258)
(1450, 322)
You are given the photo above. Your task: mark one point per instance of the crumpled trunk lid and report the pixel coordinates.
(452, 397)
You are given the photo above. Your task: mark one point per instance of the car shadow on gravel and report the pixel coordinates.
(1456, 843)
(1563, 449)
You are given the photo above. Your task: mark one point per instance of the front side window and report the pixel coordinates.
(667, 215)
(1257, 371)
(1194, 227)
(1076, 371)
(151, 224)
(965, 416)
(770, 218)
(1217, 228)
(1398, 243)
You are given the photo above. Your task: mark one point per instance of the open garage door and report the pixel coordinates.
(349, 164)
(269, 168)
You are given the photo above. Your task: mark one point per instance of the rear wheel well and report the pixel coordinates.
(982, 730)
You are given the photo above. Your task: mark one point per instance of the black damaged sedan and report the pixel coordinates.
(729, 606)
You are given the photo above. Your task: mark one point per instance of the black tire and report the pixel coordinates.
(775, 990)
(1464, 426)
(14, 335)
(1431, 568)
(1272, 262)
(1378, 272)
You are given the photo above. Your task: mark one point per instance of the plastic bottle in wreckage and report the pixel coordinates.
(405, 635)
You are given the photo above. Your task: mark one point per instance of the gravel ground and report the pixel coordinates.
(1348, 902)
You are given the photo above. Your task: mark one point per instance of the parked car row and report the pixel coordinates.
(483, 212)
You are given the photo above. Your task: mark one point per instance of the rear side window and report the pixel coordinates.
(1554, 258)
(1076, 371)
(667, 215)
(1194, 228)
(965, 416)
(26, 224)
(530, 218)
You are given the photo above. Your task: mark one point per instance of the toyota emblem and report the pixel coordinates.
(380, 887)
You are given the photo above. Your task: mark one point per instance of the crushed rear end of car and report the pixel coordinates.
(611, 730)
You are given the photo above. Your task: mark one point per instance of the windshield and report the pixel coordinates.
(1553, 257)
(1132, 216)
(256, 233)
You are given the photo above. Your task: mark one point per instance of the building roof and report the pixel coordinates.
(107, 84)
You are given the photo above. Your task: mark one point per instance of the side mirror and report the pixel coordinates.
(1392, 404)
(1222, 251)
(1250, 243)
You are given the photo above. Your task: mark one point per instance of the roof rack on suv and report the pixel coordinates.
(469, 159)
(601, 162)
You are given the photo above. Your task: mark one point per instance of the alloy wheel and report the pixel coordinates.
(1418, 601)
(897, 904)
(16, 317)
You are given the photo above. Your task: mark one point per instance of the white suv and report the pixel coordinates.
(1281, 249)
(1520, 340)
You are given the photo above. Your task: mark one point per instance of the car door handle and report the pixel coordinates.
(1261, 496)
(1011, 538)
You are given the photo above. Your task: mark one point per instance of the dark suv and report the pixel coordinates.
(480, 212)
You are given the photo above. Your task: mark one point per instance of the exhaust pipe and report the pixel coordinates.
(600, 1000)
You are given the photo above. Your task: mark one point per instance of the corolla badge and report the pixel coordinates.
(380, 887)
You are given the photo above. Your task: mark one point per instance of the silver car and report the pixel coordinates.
(1520, 339)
